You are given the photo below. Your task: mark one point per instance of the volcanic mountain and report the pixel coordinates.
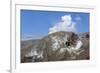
(58, 46)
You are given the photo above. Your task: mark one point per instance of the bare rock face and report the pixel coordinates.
(57, 46)
(86, 47)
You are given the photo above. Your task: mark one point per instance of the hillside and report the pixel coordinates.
(57, 46)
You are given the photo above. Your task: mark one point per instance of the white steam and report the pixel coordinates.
(66, 24)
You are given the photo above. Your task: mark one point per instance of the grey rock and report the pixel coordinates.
(57, 46)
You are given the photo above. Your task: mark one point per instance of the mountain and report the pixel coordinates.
(58, 46)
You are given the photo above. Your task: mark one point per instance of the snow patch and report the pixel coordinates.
(63, 50)
(32, 53)
(79, 44)
(58, 41)
(55, 43)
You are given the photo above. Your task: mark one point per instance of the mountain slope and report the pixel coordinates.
(57, 46)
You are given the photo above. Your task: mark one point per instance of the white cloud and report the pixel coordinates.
(66, 24)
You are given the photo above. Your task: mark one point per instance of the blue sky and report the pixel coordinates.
(36, 24)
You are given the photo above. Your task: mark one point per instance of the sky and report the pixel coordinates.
(36, 24)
